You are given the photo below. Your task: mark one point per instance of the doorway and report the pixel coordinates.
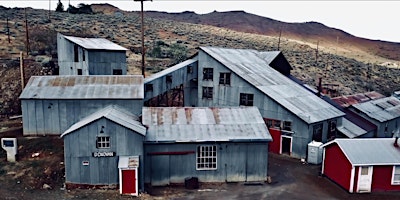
(286, 147)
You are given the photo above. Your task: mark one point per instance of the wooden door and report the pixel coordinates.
(365, 179)
(129, 182)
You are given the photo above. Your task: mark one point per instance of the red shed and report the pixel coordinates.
(363, 165)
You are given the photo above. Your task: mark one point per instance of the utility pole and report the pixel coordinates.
(142, 36)
(8, 31)
(316, 55)
(279, 39)
(21, 67)
(49, 8)
(27, 34)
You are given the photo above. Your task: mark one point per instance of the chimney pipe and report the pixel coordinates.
(319, 86)
(395, 142)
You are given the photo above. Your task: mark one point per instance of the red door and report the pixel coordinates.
(275, 145)
(129, 181)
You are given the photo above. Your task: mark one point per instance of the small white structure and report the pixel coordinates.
(10, 145)
(128, 175)
(315, 152)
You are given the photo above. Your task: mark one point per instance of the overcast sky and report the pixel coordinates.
(378, 20)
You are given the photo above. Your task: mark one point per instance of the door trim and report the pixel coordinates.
(291, 144)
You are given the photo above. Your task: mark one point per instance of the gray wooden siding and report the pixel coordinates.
(97, 62)
(53, 117)
(230, 96)
(80, 145)
(235, 162)
(104, 62)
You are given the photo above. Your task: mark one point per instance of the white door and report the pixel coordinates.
(364, 179)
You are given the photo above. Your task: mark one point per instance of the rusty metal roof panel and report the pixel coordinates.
(382, 110)
(253, 67)
(95, 43)
(200, 124)
(84, 87)
(369, 151)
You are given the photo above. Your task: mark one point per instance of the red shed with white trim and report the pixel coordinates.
(363, 165)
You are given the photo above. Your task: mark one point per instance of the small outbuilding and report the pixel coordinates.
(210, 144)
(90, 56)
(363, 165)
(105, 149)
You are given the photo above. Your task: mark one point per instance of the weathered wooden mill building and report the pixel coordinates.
(51, 104)
(213, 144)
(90, 56)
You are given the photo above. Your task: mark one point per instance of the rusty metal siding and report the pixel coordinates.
(81, 143)
(235, 162)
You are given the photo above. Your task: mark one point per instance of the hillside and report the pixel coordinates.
(346, 65)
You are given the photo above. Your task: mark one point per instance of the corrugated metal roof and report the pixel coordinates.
(200, 124)
(84, 87)
(369, 151)
(113, 113)
(169, 70)
(350, 129)
(95, 43)
(250, 65)
(382, 110)
(346, 101)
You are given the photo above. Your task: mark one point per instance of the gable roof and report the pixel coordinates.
(382, 110)
(201, 124)
(369, 151)
(84, 87)
(113, 113)
(95, 43)
(252, 67)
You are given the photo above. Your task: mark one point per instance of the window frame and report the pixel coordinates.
(318, 129)
(207, 92)
(225, 78)
(117, 72)
(287, 125)
(206, 157)
(244, 99)
(208, 74)
(79, 72)
(76, 53)
(103, 144)
(394, 174)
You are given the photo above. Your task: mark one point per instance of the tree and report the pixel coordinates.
(178, 52)
(60, 7)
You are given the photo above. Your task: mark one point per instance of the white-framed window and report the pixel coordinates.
(396, 175)
(103, 142)
(206, 158)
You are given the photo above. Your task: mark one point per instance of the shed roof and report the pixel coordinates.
(84, 87)
(201, 124)
(252, 67)
(95, 43)
(350, 129)
(113, 113)
(346, 101)
(369, 151)
(382, 110)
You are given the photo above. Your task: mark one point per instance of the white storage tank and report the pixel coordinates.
(314, 152)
